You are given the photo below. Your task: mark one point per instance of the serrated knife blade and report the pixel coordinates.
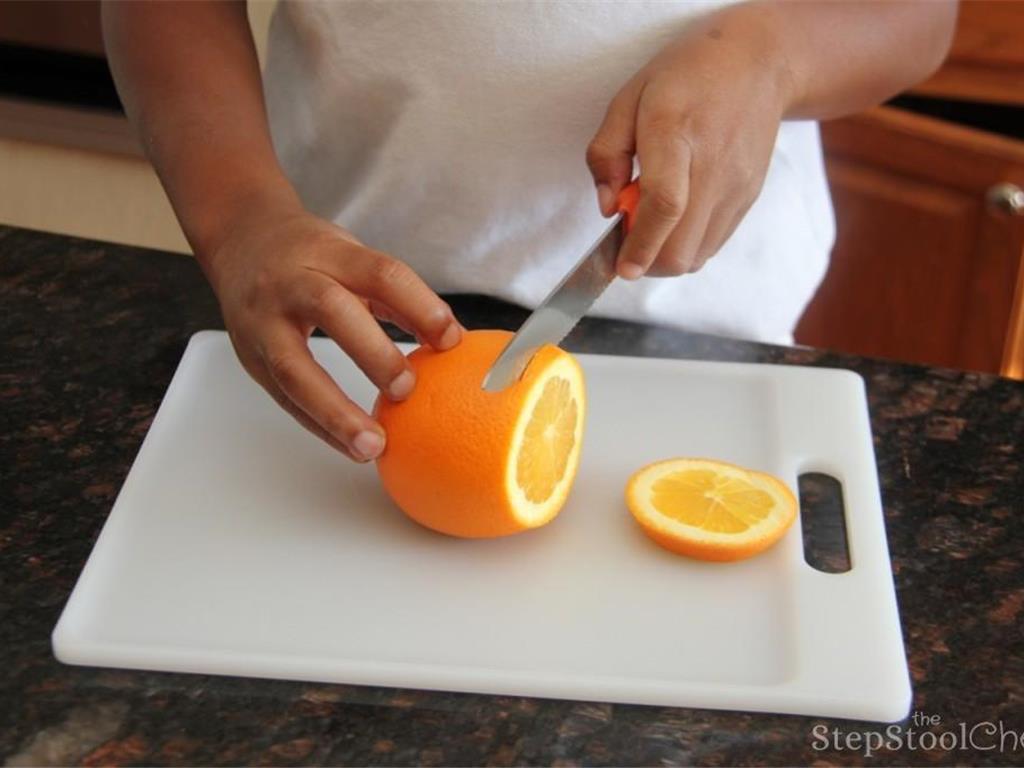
(568, 302)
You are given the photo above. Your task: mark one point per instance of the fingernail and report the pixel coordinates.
(605, 198)
(367, 445)
(450, 337)
(630, 271)
(401, 385)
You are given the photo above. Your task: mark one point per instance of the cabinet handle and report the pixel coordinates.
(1006, 197)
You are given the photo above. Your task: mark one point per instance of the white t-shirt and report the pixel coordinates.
(451, 134)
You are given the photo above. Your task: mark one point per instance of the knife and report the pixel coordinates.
(569, 301)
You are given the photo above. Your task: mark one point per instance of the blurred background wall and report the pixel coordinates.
(70, 167)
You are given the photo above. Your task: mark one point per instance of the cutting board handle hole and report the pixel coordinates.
(823, 520)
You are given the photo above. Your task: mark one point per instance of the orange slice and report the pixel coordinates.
(479, 464)
(710, 510)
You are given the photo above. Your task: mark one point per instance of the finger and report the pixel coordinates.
(385, 314)
(610, 152)
(388, 315)
(292, 368)
(255, 368)
(346, 319)
(665, 165)
(720, 228)
(300, 416)
(679, 254)
(392, 283)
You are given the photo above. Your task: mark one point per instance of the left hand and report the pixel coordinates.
(701, 117)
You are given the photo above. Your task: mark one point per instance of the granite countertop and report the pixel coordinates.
(90, 334)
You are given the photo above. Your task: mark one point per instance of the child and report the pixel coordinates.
(439, 145)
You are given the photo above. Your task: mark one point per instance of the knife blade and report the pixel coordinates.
(563, 308)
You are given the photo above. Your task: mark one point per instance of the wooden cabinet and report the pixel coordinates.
(927, 263)
(71, 26)
(986, 62)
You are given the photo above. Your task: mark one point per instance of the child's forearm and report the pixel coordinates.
(843, 57)
(189, 79)
(188, 75)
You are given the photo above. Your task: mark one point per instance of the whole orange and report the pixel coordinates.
(472, 463)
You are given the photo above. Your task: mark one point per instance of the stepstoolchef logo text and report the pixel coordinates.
(925, 733)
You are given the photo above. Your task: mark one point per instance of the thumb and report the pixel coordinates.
(610, 152)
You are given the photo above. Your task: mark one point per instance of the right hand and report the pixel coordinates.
(280, 275)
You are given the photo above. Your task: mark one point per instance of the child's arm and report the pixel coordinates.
(188, 76)
(702, 115)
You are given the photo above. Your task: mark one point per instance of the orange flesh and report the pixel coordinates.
(703, 499)
(548, 442)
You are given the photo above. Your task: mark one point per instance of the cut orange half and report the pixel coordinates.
(476, 464)
(710, 510)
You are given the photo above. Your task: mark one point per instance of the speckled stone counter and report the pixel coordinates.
(90, 334)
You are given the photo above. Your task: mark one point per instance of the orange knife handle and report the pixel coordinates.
(627, 202)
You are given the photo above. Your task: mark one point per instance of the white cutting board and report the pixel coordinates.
(240, 545)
